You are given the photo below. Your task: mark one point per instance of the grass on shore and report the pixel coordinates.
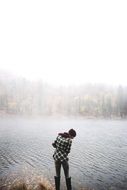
(40, 186)
(23, 186)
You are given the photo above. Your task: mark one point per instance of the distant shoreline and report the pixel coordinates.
(58, 116)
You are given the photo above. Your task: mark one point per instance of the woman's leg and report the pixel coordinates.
(66, 168)
(58, 168)
(66, 172)
(57, 177)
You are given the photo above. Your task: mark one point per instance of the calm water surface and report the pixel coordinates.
(98, 158)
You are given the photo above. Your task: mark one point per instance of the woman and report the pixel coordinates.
(62, 146)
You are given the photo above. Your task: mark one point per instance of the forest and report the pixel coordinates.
(23, 97)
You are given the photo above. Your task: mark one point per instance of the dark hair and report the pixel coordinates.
(72, 132)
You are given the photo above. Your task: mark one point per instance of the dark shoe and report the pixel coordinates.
(57, 182)
(68, 183)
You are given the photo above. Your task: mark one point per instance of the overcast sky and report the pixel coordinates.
(65, 42)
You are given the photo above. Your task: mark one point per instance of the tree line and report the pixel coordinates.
(20, 96)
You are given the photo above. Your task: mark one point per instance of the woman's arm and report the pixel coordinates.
(54, 144)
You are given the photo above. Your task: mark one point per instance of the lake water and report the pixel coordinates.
(98, 157)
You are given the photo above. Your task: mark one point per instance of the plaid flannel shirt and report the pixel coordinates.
(63, 147)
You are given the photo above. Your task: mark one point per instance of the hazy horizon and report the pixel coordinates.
(65, 43)
(12, 76)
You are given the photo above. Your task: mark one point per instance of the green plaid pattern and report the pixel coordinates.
(63, 147)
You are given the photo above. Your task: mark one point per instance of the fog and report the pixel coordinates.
(65, 43)
(23, 97)
(66, 58)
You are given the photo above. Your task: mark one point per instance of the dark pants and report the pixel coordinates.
(65, 166)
